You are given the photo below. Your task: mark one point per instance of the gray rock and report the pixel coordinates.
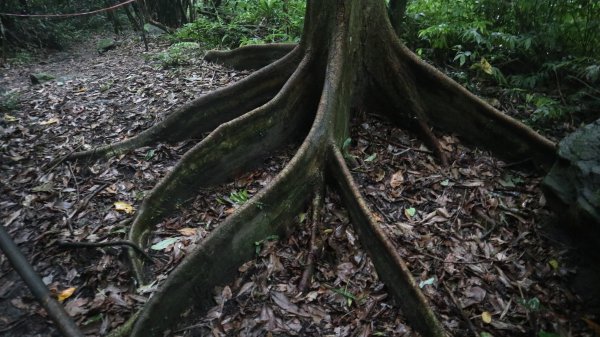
(104, 45)
(153, 30)
(38, 78)
(573, 184)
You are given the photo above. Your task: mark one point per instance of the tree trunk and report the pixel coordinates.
(397, 10)
(349, 55)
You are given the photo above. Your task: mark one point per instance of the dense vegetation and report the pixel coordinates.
(21, 34)
(540, 56)
(238, 23)
(543, 52)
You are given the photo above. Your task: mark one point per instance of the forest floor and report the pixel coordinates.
(475, 235)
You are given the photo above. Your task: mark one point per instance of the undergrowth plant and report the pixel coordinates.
(9, 101)
(237, 22)
(544, 51)
(178, 54)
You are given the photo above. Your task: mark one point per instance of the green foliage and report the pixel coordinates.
(242, 22)
(35, 33)
(236, 198)
(9, 101)
(538, 29)
(239, 197)
(178, 54)
(547, 48)
(531, 305)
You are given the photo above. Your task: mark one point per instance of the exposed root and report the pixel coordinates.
(451, 107)
(389, 265)
(413, 90)
(125, 329)
(433, 142)
(250, 57)
(130, 244)
(316, 244)
(207, 112)
(408, 88)
(233, 147)
(216, 259)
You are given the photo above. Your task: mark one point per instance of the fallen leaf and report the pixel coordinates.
(486, 66)
(371, 157)
(284, 303)
(553, 263)
(187, 231)
(486, 317)
(65, 294)
(429, 281)
(9, 118)
(396, 180)
(45, 187)
(164, 244)
(52, 120)
(474, 295)
(124, 207)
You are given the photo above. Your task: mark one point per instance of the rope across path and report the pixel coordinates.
(68, 15)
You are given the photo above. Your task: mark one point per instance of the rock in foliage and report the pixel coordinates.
(573, 184)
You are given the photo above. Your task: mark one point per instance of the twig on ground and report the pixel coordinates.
(75, 181)
(490, 260)
(462, 312)
(491, 224)
(53, 164)
(82, 206)
(106, 244)
(39, 290)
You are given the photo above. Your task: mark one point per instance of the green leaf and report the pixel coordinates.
(547, 334)
(164, 244)
(346, 143)
(149, 154)
(410, 212)
(486, 66)
(429, 281)
(93, 319)
(371, 157)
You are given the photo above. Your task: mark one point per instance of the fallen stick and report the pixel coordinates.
(56, 312)
(106, 244)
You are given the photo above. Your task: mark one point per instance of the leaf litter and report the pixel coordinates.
(468, 233)
(96, 99)
(471, 234)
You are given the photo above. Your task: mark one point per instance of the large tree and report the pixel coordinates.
(349, 57)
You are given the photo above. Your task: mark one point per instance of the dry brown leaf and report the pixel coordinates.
(397, 179)
(187, 231)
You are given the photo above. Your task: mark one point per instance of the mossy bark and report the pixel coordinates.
(349, 55)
